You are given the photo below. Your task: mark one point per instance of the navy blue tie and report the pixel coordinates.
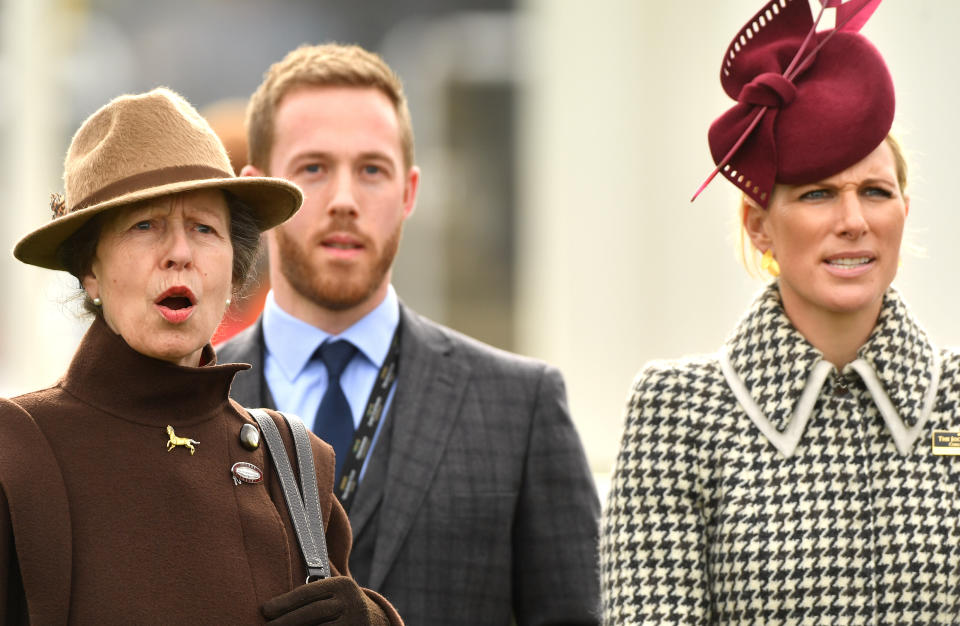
(334, 422)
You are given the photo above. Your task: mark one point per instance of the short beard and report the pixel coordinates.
(336, 290)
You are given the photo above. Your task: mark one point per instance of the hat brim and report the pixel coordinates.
(273, 201)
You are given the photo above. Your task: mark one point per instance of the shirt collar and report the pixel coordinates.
(292, 342)
(373, 333)
(777, 375)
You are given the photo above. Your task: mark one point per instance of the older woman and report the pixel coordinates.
(134, 490)
(804, 474)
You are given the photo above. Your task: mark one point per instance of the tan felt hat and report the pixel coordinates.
(144, 146)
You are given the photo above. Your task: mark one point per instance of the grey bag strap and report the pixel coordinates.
(304, 508)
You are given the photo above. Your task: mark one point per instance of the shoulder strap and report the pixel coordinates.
(39, 513)
(304, 509)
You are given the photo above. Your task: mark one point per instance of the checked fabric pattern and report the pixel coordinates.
(708, 523)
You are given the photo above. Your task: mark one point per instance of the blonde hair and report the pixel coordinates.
(327, 65)
(748, 254)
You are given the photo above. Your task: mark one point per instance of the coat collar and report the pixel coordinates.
(777, 375)
(107, 373)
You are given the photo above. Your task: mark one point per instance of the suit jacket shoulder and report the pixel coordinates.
(485, 361)
(248, 346)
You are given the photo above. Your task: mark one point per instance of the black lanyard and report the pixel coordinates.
(363, 436)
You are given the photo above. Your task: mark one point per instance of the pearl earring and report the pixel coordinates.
(97, 302)
(228, 301)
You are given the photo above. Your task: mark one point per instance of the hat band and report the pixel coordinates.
(147, 180)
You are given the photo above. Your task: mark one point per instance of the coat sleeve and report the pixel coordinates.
(12, 602)
(653, 547)
(556, 525)
(43, 532)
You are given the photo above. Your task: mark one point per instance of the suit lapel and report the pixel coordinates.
(371, 487)
(430, 389)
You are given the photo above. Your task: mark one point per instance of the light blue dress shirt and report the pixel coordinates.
(298, 382)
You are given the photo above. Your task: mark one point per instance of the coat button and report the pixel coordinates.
(250, 437)
(840, 390)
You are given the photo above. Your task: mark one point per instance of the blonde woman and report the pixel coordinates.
(790, 477)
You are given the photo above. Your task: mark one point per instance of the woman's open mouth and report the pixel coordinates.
(850, 265)
(176, 304)
(851, 262)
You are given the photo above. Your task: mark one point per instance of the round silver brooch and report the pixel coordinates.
(250, 437)
(244, 472)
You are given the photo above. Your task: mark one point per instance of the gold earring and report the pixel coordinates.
(769, 264)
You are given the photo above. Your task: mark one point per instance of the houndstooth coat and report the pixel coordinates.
(761, 485)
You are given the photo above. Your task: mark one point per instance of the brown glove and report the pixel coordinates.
(336, 600)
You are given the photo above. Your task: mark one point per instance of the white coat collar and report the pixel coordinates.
(777, 375)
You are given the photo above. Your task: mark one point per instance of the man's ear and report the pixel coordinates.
(754, 220)
(410, 187)
(251, 170)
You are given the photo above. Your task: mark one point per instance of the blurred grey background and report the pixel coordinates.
(560, 143)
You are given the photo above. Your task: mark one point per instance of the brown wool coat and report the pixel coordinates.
(154, 536)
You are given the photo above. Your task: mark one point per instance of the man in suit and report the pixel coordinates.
(466, 483)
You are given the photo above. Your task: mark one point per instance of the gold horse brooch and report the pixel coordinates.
(189, 444)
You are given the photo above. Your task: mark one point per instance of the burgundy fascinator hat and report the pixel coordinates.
(809, 104)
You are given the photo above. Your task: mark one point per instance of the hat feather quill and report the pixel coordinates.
(853, 14)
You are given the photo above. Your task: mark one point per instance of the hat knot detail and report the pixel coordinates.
(57, 205)
(769, 89)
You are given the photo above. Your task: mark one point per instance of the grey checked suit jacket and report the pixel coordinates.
(477, 505)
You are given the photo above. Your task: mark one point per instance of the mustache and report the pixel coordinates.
(343, 225)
